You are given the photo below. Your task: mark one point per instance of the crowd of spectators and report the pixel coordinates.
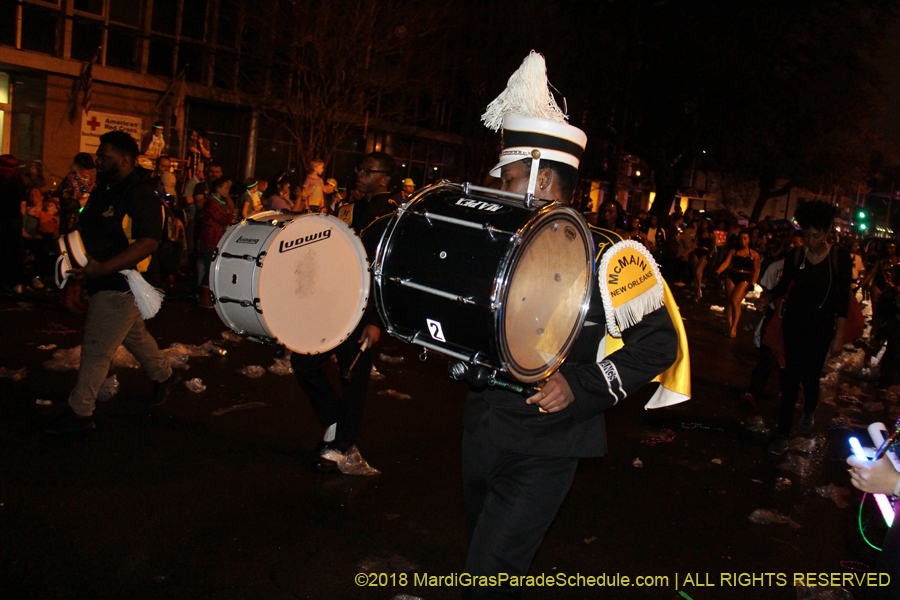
(198, 199)
(696, 252)
(201, 201)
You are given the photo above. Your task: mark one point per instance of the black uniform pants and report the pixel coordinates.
(805, 351)
(759, 376)
(510, 500)
(345, 409)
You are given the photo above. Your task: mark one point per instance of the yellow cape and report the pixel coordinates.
(675, 382)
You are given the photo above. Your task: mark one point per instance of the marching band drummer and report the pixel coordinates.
(519, 455)
(341, 414)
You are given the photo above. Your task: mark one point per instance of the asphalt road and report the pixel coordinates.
(191, 500)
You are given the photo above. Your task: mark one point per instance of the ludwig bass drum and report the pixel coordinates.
(298, 280)
(479, 275)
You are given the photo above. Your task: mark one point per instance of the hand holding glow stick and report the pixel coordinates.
(862, 462)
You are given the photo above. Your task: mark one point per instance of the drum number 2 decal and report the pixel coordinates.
(436, 331)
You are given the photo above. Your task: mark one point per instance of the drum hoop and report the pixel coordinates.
(378, 265)
(501, 290)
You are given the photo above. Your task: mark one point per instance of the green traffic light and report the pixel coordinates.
(862, 215)
(862, 226)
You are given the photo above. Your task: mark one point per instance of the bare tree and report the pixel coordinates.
(318, 68)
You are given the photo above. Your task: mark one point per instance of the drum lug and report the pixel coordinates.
(259, 258)
(256, 305)
(214, 254)
(424, 355)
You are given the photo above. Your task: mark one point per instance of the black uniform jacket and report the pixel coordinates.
(650, 347)
(101, 222)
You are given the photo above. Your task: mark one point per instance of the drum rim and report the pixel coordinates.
(502, 288)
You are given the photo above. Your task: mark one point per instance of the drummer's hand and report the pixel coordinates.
(94, 268)
(555, 396)
(372, 333)
(877, 477)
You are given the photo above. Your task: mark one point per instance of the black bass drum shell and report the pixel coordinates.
(485, 279)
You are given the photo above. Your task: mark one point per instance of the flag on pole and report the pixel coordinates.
(87, 80)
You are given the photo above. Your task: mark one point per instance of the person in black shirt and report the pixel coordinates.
(816, 280)
(120, 226)
(370, 182)
(341, 415)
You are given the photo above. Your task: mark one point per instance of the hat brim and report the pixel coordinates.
(554, 140)
(511, 155)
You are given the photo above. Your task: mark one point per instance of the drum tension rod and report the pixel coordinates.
(429, 290)
(491, 230)
(240, 256)
(243, 303)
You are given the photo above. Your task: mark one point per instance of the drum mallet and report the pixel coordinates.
(346, 375)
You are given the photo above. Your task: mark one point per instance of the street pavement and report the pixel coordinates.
(210, 495)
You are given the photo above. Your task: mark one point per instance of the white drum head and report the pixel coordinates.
(314, 284)
(549, 288)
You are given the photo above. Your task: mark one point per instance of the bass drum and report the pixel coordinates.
(298, 280)
(478, 275)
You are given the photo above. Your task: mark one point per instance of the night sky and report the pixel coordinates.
(889, 63)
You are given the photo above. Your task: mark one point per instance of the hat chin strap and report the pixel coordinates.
(535, 168)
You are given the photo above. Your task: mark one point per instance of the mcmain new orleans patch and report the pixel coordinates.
(630, 285)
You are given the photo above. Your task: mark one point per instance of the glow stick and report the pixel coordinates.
(884, 504)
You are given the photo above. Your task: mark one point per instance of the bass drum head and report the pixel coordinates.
(314, 284)
(547, 296)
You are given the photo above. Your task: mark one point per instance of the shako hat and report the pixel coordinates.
(533, 124)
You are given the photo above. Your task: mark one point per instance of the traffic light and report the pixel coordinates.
(862, 221)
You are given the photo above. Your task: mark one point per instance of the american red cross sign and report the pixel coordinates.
(97, 123)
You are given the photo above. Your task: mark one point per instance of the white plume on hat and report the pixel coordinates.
(527, 93)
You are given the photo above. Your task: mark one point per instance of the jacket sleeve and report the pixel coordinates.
(650, 347)
(787, 276)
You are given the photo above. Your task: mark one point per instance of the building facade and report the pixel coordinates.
(174, 61)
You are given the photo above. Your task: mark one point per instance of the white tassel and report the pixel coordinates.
(527, 93)
(147, 298)
(634, 310)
